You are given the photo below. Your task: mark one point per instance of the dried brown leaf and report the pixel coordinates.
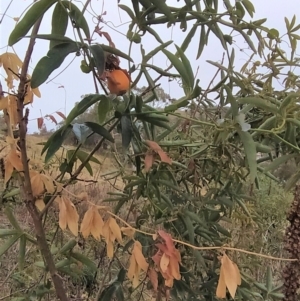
(221, 288)
(128, 231)
(61, 115)
(86, 223)
(115, 229)
(40, 122)
(164, 262)
(149, 160)
(152, 274)
(139, 257)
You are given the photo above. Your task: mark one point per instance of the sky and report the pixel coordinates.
(63, 89)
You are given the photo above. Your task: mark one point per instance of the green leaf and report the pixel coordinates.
(8, 232)
(99, 57)
(53, 37)
(85, 260)
(273, 34)
(116, 51)
(81, 155)
(5, 246)
(188, 67)
(100, 130)
(31, 16)
(68, 246)
(202, 41)
(77, 17)
(127, 131)
(55, 141)
(277, 295)
(269, 283)
(279, 161)
(260, 103)
(51, 61)
(11, 193)
(108, 293)
(83, 105)
(152, 53)
(104, 107)
(22, 252)
(12, 218)
(127, 10)
(250, 151)
(164, 8)
(160, 70)
(179, 66)
(189, 227)
(249, 7)
(59, 23)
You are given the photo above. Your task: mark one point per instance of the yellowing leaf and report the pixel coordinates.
(37, 184)
(92, 223)
(128, 231)
(137, 263)
(221, 288)
(115, 229)
(40, 183)
(11, 64)
(229, 277)
(156, 148)
(11, 162)
(39, 203)
(139, 257)
(68, 215)
(164, 262)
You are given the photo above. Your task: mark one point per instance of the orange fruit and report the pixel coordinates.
(118, 81)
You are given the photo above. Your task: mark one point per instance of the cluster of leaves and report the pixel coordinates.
(196, 183)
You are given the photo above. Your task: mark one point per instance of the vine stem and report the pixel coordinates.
(222, 248)
(25, 184)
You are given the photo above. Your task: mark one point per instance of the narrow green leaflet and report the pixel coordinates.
(5, 246)
(100, 130)
(250, 151)
(279, 161)
(99, 57)
(83, 105)
(22, 251)
(160, 70)
(127, 10)
(202, 41)
(179, 66)
(59, 23)
(260, 103)
(116, 51)
(52, 38)
(9, 214)
(127, 131)
(187, 65)
(163, 7)
(51, 61)
(31, 16)
(77, 17)
(104, 106)
(55, 141)
(85, 260)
